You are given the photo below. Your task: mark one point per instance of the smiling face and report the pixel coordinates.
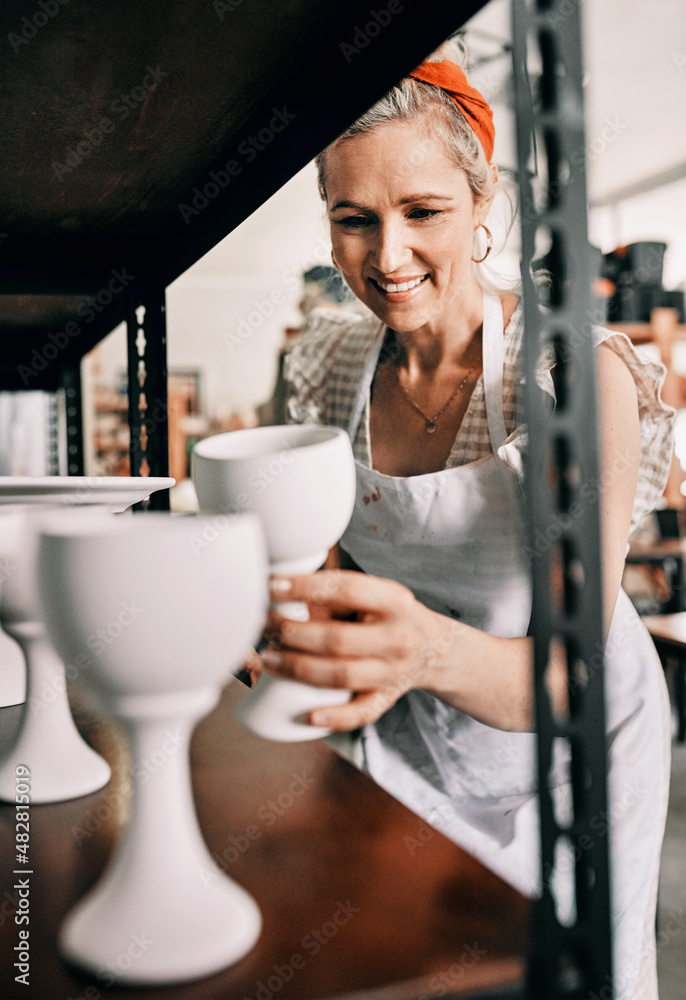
(402, 219)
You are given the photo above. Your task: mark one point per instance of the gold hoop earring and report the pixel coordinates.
(489, 243)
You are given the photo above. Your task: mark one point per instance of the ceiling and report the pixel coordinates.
(635, 88)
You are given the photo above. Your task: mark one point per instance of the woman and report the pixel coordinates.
(431, 638)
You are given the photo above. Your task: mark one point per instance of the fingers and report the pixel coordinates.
(351, 675)
(359, 711)
(364, 635)
(345, 590)
(334, 638)
(253, 664)
(252, 660)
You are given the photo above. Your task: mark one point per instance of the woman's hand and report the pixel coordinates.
(253, 664)
(365, 634)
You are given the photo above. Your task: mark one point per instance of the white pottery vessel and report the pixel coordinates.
(116, 493)
(194, 599)
(300, 479)
(12, 663)
(62, 765)
(113, 493)
(12, 671)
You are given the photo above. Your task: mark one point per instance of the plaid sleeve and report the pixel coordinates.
(324, 368)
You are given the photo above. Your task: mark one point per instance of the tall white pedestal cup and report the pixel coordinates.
(12, 671)
(112, 493)
(61, 764)
(300, 480)
(12, 660)
(190, 596)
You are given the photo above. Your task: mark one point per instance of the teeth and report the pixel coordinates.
(403, 287)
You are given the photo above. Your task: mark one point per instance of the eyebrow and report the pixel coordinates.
(348, 204)
(426, 196)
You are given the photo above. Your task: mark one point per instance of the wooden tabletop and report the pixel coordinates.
(648, 551)
(401, 912)
(668, 628)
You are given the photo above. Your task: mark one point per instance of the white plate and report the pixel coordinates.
(115, 492)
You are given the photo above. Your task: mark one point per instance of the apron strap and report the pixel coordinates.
(494, 358)
(365, 384)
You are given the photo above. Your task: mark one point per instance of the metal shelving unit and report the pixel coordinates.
(210, 109)
(570, 956)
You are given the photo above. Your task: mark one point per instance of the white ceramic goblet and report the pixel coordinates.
(113, 493)
(12, 670)
(301, 481)
(12, 663)
(61, 763)
(195, 597)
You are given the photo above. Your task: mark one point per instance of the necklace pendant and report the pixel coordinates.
(430, 427)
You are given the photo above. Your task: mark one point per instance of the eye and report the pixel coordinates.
(354, 221)
(423, 213)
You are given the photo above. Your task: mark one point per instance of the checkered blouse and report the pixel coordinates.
(324, 368)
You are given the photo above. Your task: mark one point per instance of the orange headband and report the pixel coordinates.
(450, 78)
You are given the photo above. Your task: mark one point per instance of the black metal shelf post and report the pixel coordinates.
(147, 376)
(569, 959)
(70, 378)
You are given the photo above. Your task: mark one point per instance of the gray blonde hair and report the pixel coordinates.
(412, 99)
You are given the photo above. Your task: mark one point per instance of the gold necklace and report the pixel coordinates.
(431, 421)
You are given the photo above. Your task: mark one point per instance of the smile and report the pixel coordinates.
(411, 285)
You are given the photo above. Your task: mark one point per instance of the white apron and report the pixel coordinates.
(454, 538)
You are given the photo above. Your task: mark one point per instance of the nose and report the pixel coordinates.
(391, 249)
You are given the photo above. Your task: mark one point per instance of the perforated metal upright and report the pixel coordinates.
(70, 379)
(571, 959)
(147, 376)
